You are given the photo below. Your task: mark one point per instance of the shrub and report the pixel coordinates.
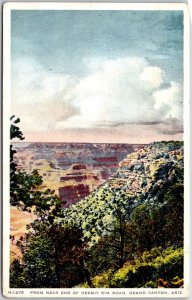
(151, 266)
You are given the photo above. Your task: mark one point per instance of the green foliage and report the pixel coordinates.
(99, 213)
(164, 217)
(101, 256)
(149, 268)
(173, 212)
(121, 228)
(25, 189)
(53, 256)
(15, 132)
(150, 284)
(110, 252)
(17, 274)
(39, 264)
(170, 264)
(110, 238)
(167, 145)
(103, 280)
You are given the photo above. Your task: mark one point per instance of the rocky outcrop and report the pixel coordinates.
(77, 183)
(71, 194)
(78, 167)
(72, 170)
(140, 170)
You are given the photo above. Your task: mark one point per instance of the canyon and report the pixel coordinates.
(72, 170)
(146, 188)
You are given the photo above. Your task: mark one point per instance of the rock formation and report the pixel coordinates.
(72, 170)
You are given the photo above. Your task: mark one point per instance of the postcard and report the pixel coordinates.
(95, 150)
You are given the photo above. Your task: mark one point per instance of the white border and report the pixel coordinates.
(186, 116)
(6, 145)
(92, 6)
(93, 293)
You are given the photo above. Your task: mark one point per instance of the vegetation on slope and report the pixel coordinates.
(120, 226)
(152, 269)
(127, 233)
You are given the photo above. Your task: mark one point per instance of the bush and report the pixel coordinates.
(150, 268)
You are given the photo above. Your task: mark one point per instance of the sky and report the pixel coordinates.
(97, 76)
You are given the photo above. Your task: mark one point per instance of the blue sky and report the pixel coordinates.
(86, 73)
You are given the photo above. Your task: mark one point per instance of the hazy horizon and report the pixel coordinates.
(74, 142)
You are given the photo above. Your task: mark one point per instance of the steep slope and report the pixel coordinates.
(134, 222)
(141, 178)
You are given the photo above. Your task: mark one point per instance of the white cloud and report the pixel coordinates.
(124, 90)
(168, 101)
(121, 91)
(39, 96)
(35, 84)
(152, 77)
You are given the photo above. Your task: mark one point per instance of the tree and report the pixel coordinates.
(138, 226)
(53, 257)
(119, 233)
(173, 214)
(25, 188)
(17, 275)
(161, 223)
(114, 247)
(15, 133)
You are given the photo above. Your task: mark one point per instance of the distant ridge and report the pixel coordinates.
(55, 163)
(83, 143)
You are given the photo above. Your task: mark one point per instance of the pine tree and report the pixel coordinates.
(25, 188)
